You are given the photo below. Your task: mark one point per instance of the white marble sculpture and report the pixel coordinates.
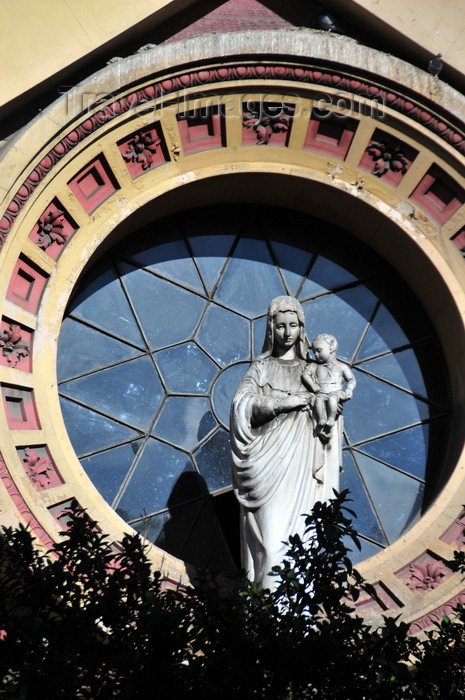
(283, 462)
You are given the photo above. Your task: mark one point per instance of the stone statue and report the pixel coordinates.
(326, 378)
(283, 462)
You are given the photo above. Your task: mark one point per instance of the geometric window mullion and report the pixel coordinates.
(160, 334)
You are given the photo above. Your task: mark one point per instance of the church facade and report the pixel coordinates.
(148, 216)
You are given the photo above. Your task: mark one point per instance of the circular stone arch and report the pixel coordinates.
(288, 118)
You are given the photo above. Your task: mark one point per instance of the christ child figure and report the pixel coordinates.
(326, 378)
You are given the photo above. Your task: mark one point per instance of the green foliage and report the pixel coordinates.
(91, 622)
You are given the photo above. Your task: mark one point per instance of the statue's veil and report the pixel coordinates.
(282, 304)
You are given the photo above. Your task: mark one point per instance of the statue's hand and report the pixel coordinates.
(294, 402)
(345, 395)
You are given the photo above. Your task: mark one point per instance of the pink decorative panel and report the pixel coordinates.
(15, 345)
(266, 123)
(219, 73)
(387, 157)
(53, 229)
(436, 615)
(438, 194)
(201, 129)
(424, 573)
(459, 241)
(20, 408)
(455, 533)
(26, 284)
(60, 511)
(144, 150)
(382, 600)
(94, 184)
(329, 134)
(20, 504)
(39, 467)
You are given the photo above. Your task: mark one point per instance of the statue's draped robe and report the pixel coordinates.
(280, 468)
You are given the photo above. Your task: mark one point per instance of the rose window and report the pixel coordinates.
(159, 333)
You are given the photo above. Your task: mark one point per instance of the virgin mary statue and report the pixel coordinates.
(280, 466)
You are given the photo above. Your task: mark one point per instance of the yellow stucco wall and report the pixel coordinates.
(422, 28)
(39, 38)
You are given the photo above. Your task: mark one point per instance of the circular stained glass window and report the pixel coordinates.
(160, 332)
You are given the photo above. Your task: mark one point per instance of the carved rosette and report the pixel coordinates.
(37, 468)
(141, 149)
(426, 576)
(265, 125)
(12, 345)
(51, 229)
(386, 157)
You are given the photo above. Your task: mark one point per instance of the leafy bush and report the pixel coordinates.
(90, 622)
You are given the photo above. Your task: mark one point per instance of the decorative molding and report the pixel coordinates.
(459, 241)
(438, 194)
(265, 125)
(387, 157)
(21, 505)
(141, 148)
(37, 468)
(13, 347)
(20, 407)
(93, 184)
(437, 614)
(426, 576)
(26, 284)
(326, 78)
(51, 229)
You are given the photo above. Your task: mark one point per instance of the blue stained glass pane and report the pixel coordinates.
(108, 469)
(383, 334)
(171, 260)
(167, 313)
(214, 461)
(165, 306)
(130, 391)
(103, 303)
(224, 335)
(169, 530)
(88, 431)
(407, 450)
(293, 263)
(83, 349)
(210, 253)
(397, 498)
(186, 369)
(378, 408)
(153, 528)
(189, 532)
(401, 368)
(366, 522)
(250, 280)
(325, 275)
(185, 420)
(163, 477)
(367, 549)
(224, 390)
(259, 330)
(350, 254)
(430, 359)
(205, 547)
(344, 314)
